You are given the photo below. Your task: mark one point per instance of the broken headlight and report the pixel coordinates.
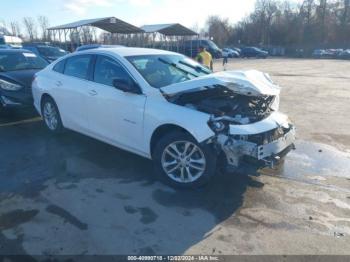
(218, 126)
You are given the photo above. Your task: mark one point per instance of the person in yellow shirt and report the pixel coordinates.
(205, 58)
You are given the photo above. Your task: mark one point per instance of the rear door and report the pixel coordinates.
(114, 115)
(72, 91)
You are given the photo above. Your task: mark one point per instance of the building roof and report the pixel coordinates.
(110, 24)
(169, 29)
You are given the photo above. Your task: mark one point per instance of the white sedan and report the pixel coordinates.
(168, 108)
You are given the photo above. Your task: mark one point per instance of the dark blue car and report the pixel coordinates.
(253, 52)
(17, 70)
(47, 52)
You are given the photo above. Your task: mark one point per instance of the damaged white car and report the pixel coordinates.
(166, 107)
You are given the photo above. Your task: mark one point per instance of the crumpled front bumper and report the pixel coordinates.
(268, 153)
(277, 146)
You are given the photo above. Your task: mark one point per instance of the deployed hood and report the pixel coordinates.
(249, 82)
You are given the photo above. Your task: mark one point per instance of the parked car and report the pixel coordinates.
(166, 107)
(254, 52)
(7, 42)
(228, 52)
(5, 47)
(323, 53)
(317, 53)
(237, 50)
(17, 69)
(93, 46)
(345, 54)
(48, 52)
(191, 47)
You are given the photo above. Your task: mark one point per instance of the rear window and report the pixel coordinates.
(13, 61)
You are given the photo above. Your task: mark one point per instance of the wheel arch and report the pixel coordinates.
(165, 129)
(43, 96)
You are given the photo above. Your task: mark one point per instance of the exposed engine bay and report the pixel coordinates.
(225, 105)
(243, 108)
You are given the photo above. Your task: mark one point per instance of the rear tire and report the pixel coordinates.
(51, 115)
(183, 163)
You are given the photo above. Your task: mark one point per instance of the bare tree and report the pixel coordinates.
(3, 27)
(43, 22)
(346, 12)
(15, 28)
(312, 24)
(87, 35)
(30, 27)
(219, 29)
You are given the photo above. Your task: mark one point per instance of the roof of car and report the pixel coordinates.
(94, 46)
(131, 51)
(15, 50)
(37, 45)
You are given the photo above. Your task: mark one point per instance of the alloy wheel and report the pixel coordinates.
(183, 161)
(50, 116)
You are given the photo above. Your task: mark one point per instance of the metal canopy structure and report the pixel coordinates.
(169, 30)
(168, 36)
(73, 31)
(109, 24)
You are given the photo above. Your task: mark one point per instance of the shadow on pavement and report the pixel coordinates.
(10, 115)
(138, 208)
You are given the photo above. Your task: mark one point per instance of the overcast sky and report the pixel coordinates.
(137, 12)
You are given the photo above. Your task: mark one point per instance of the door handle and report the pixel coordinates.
(92, 93)
(58, 83)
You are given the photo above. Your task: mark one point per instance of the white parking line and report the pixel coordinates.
(26, 121)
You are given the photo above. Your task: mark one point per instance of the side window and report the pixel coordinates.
(107, 69)
(78, 66)
(59, 67)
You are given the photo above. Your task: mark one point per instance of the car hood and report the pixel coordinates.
(22, 77)
(249, 82)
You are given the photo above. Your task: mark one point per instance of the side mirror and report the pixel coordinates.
(127, 86)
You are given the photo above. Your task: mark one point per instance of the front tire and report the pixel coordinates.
(51, 115)
(181, 162)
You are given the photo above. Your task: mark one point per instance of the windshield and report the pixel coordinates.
(50, 51)
(164, 70)
(20, 61)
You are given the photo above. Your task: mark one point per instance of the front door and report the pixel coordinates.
(114, 115)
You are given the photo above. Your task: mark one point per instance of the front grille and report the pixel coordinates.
(269, 136)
